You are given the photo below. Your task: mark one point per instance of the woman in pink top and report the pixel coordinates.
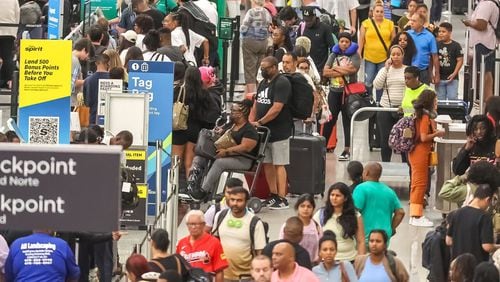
(312, 230)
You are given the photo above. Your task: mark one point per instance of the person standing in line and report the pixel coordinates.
(262, 269)
(330, 269)
(270, 109)
(286, 269)
(9, 14)
(425, 131)
(451, 59)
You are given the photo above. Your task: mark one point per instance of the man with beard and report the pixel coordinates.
(233, 229)
(270, 109)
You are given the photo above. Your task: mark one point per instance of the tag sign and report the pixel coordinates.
(106, 86)
(65, 188)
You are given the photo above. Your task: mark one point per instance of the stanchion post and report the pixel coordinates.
(225, 47)
(77, 249)
(172, 204)
(14, 96)
(482, 69)
(158, 177)
(235, 58)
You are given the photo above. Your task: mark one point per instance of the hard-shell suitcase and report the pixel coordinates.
(456, 109)
(306, 171)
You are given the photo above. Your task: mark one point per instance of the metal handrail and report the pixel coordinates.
(362, 110)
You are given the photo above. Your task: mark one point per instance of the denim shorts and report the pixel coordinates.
(489, 61)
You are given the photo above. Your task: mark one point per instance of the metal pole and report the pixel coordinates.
(172, 204)
(14, 96)
(77, 249)
(474, 76)
(158, 176)
(482, 69)
(497, 71)
(138, 248)
(235, 58)
(225, 47)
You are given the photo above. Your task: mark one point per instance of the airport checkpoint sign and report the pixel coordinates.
(59, 187)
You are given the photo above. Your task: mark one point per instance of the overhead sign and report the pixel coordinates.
(64, 188)
(156, 78)
(55, 21)
(108, 7)
(106, 86)
(44, 91)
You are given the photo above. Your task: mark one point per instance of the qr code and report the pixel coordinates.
(44, 130)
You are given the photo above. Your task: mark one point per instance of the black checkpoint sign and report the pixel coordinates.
(59, 187)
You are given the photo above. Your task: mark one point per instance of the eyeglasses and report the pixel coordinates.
(193, 224)
(235, 223)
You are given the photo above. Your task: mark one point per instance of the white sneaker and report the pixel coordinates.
(421, 222)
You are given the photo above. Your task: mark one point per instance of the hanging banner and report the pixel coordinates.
(107, 7)
(156, 78)
(44, 91)
(65, 188)
(55, 21)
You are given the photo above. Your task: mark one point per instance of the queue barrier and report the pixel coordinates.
(391, 171)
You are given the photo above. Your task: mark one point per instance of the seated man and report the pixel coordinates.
(245, 137)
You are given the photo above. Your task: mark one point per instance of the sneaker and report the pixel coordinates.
(345, 156)
(270, 201)
(184, 194)
(197, 195)
(280, 204)
(421, 222)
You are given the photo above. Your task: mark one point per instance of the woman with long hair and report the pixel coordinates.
(480, 145)
(329, 267)
(404, 40)
(425, 131)
(134, 53)
(340, 216)
(281, 43)
(391, 80)
(312, 231)
(186, 39)
(375, 36)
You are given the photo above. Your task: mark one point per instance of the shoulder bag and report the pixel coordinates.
(226, 140)
(180, 111)
(380, 37)
(433, 155)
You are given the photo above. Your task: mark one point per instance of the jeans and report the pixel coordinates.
(385, 122)
(335, 104)
(371, 70)
(424, 76)
(448, 90)
(436, 10)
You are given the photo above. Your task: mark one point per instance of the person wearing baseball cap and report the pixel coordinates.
(319, 33)
(128, 40)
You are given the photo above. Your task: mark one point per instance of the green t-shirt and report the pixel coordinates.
(409, 96)
(377, 204)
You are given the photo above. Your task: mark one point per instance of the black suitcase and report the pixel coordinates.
(306, 171)
(456, 109)
(373, 138)
(459, 7)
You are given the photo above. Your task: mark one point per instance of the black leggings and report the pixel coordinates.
(385, 122)
(335, 105)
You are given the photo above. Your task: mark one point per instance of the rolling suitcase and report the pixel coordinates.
(306, 171)
(456, 109)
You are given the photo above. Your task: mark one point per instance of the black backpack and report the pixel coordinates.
(302, 98)
(497, 28)
(253, 224)
(129, 190)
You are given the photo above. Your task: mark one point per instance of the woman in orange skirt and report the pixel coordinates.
(425, 126)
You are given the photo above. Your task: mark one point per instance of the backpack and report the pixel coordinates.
(129, 190)
(426, 249)
(302, 98)
(253, 224)
(497, 28)
(402, 136)
(30, 13)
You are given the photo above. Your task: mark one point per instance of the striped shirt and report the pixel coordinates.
(395, 86)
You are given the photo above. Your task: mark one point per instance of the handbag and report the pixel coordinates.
(83, 114)
(355, 102)
(205, 146)
(180, 111)
(433, 156)
(226, 140)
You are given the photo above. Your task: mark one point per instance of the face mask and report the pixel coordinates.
(264, 74)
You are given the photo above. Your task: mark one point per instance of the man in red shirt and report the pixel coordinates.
(201, 249)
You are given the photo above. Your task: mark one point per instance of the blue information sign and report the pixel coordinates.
(55, 22)
(156, 78)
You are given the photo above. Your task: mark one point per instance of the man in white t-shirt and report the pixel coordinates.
(210, 10)
(343, 10)
(233, 229)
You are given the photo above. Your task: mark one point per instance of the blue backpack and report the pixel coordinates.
(403, 134)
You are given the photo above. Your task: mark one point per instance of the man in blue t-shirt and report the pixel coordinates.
(379, 205)
(41, 257)
(426, 59)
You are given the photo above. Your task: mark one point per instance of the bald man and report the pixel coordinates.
(379, 205)
(286, 267)
(292, 233)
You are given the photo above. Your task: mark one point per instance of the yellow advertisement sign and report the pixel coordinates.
(143, 191)
(45, 71)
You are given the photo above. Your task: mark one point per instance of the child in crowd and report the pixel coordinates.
(450, 62)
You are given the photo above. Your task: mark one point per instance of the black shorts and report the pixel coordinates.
(181, 137)
(489, 61)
